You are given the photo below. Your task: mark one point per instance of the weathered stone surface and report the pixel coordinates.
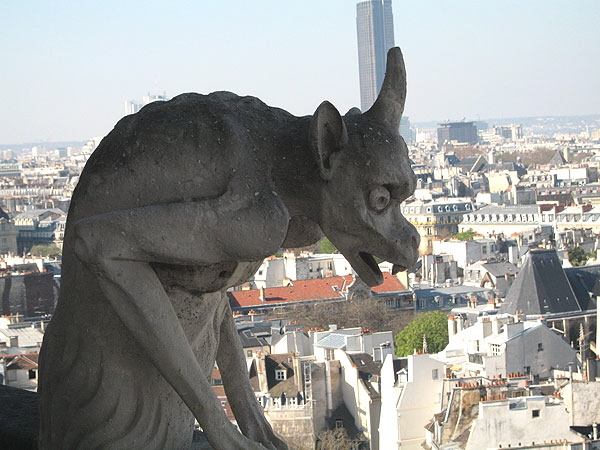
(19, 419)
(180, 202)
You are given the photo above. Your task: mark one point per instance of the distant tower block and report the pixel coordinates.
(375, 33)
(133, 106)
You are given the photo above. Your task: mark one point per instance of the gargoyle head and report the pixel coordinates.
(364, 164)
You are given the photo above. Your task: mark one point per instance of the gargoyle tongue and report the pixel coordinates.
(367, 269)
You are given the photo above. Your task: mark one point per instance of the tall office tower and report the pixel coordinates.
(375, 33)
(405, 130)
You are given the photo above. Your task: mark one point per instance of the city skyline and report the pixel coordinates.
(68, 69)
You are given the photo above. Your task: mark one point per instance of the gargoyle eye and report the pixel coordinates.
(379, 198)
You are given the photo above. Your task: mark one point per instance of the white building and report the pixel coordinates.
(411, 390)
(503, 345)
(277, 272)
(361, 355)
(490, 220)
(19, 348)
(466, 252)
(520, 422)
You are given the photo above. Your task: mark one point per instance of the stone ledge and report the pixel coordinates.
(19, 421)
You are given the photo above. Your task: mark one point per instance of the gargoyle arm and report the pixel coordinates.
(232, 365)
(119, 247)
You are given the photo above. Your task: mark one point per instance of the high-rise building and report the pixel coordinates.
(375, 33)
(133, 106)
(461, 132)
(406, 131)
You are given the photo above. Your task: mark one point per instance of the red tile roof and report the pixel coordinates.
(390, 284)
(307, 290)
(301, 290)
(25, 361)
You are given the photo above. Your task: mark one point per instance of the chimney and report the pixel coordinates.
(261, 294)
(459, 323)
(377, 354)
(261, 371)
(513, 254)
(496, 326)
(451, 326)
(386, 349)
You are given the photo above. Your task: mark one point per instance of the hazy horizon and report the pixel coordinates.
(69, 68)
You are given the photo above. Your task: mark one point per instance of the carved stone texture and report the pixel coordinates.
(180, 202)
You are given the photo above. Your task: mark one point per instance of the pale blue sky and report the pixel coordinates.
(67, 67)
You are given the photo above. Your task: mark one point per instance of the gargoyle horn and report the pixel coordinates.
(389, 106)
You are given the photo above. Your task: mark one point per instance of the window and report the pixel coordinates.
(217, 382)
(535, 413)
(339, 423)
(484, 250)
(223, 404)
(32, 374)
(495, 349)
(540, 347)
(280, 374)
(249, 353)
(434, 374)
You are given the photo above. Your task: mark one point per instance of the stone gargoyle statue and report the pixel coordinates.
(180, 202)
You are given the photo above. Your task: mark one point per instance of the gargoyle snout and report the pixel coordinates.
(407, 243)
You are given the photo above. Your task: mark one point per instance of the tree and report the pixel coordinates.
(577, 256)
(371, 313)
(336, 440)
(327, 246)
(45, 250)
(433, 325)
(467, 235)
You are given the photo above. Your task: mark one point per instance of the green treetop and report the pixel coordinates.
(433, 325)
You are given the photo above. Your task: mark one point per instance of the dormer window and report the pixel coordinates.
(280, 375)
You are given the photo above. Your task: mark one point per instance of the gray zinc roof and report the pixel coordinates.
(499, 268)
(332, 340)
(541, 287)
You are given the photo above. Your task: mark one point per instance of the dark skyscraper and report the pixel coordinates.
(375, 33)
(462, 132)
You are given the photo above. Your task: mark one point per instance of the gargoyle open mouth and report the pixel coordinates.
(397, 268)
(367, 269)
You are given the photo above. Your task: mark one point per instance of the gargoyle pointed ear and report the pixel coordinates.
(328, 135)
(389, 106)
